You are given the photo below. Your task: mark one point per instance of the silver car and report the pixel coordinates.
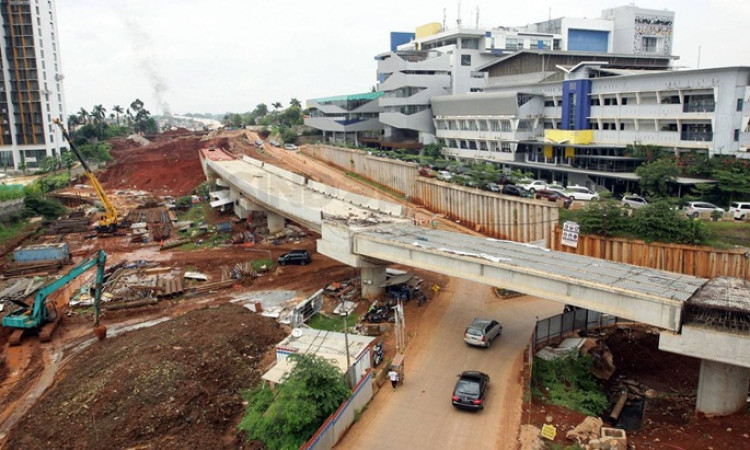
(634, 201)
(482, 332)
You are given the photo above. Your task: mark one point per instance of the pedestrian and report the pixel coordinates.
(393, 375)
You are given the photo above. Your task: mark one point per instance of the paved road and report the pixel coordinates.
(419, 413)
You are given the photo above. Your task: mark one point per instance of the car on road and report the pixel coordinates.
(493, 187)
(517, 191)
(290, 147)
(258, 143)
(553, 196)
(274, 143)
(740, 210)
(301, 257)
(581, 193)
(695, 209)
(633, 201)
(533, 185)
(471, 389)
(481, 332)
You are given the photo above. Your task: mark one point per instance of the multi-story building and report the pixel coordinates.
(31, 83)
(349, 119)
(578, 129)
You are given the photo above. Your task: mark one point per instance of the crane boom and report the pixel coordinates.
(108, 222)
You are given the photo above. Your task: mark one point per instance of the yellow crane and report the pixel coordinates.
(108, 222)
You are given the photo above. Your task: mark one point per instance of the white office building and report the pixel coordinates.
(31, 84)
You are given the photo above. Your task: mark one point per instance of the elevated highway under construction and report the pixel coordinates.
(371, 234)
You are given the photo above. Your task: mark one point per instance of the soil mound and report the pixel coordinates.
(171, 386)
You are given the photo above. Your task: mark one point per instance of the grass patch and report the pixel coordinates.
(327, 322)
(729, 233)
(375, 185)
(11, 231)
(567, 382)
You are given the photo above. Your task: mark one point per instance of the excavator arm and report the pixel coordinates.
(39, 315)
(109, 221)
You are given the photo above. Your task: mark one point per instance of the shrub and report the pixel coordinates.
(567, 382)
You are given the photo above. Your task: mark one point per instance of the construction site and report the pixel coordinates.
(151, 329)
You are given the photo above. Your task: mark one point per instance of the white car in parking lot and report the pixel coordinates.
(695, 209)
(634, 201)
(740, 210)
(534, 185)
(581, 193)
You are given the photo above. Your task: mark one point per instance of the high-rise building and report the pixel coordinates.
(31, 83)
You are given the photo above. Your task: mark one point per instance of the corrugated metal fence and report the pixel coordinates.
(498, 216)
(334, 427)
(699, 261)
(557, 327)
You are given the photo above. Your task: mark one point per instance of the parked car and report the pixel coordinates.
(512, 189)
(695, 209)
(554, 196)
(290, 147)
(533, 185)
(556, 187)
(258, 143)
(581, 193)
(301, 257)
(444, 175)
(633, 201)
(470, 390)
(493, 187)
(275, 143)
(740, 210)
(481, 332)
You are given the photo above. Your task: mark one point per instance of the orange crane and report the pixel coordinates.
(108, 222)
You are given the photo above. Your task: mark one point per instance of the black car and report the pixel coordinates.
(470, 390)
(300, 257)
(512, 189)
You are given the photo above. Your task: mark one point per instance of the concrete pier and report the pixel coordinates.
(275, 222)
(722, 388)
(372, 279)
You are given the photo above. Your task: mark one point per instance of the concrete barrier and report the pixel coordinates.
(10, 207)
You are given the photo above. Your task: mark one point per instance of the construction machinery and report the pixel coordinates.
(108, 222)
(42, 315)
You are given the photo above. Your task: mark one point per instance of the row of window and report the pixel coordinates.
(499, 125)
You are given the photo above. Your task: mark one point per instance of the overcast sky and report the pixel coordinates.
(191, 56)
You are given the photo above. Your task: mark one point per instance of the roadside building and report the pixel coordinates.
(347, 119)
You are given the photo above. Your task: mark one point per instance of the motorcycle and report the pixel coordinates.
(377, 354)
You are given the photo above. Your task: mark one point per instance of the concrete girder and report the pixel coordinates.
(653, 310)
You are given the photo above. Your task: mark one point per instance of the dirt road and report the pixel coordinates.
(419, 413)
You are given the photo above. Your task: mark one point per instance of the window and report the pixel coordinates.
(649, 44)
(465, 60)
(739, 104)
(736, 135)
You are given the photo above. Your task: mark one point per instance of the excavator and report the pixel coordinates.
(108, 222)
(42, 315)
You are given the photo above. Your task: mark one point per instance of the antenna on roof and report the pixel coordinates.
(444, 19)
(477, 24)
(458, 19)
(699, 57)
(550, 13)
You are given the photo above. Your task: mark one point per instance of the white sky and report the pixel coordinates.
(203, 56)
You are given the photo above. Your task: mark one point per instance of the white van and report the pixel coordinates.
(740, 210)
(444, 175)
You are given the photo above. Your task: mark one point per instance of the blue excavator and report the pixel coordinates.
(42, 316)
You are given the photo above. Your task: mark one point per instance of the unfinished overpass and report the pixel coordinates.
(371, 234)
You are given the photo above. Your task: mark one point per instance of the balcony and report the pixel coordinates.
(573, 137)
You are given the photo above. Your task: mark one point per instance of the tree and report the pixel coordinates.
(313, 391)
(83, 116)
(656, 176)
(69, 160)
(118, 110)
(733, 183)
(260, 110)
(73, 121)
(295, 103)
(98, 114)
(276, 105)
(660, 222)
(602, 217)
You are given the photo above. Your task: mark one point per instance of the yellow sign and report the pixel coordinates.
(435, 288)
(549, 432)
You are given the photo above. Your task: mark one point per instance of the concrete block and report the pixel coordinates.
(616, 437)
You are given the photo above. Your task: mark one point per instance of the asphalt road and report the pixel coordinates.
(419, 413)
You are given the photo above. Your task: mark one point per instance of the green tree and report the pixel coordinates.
(83, 116)
(660, 222)
(733, 183)
(261, 110)
(295, 103)
(649, 153)
(69, 160)
(656, 176)
(604, 217)
(276, 105)
(117, 110)
(98, 114)
(313, 391)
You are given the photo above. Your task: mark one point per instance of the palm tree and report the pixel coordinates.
(98, 113)
(83, 116)
(118, 110)
(276, 105)
(73, 121)
(295, 102)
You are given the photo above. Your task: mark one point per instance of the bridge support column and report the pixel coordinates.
(275, 222)
(372, 278)
(722, 388)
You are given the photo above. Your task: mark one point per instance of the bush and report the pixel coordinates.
(660, 222)
(567, 382)
(38, 205)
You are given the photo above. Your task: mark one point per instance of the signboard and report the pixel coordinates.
(549, 432)
(570, 234)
